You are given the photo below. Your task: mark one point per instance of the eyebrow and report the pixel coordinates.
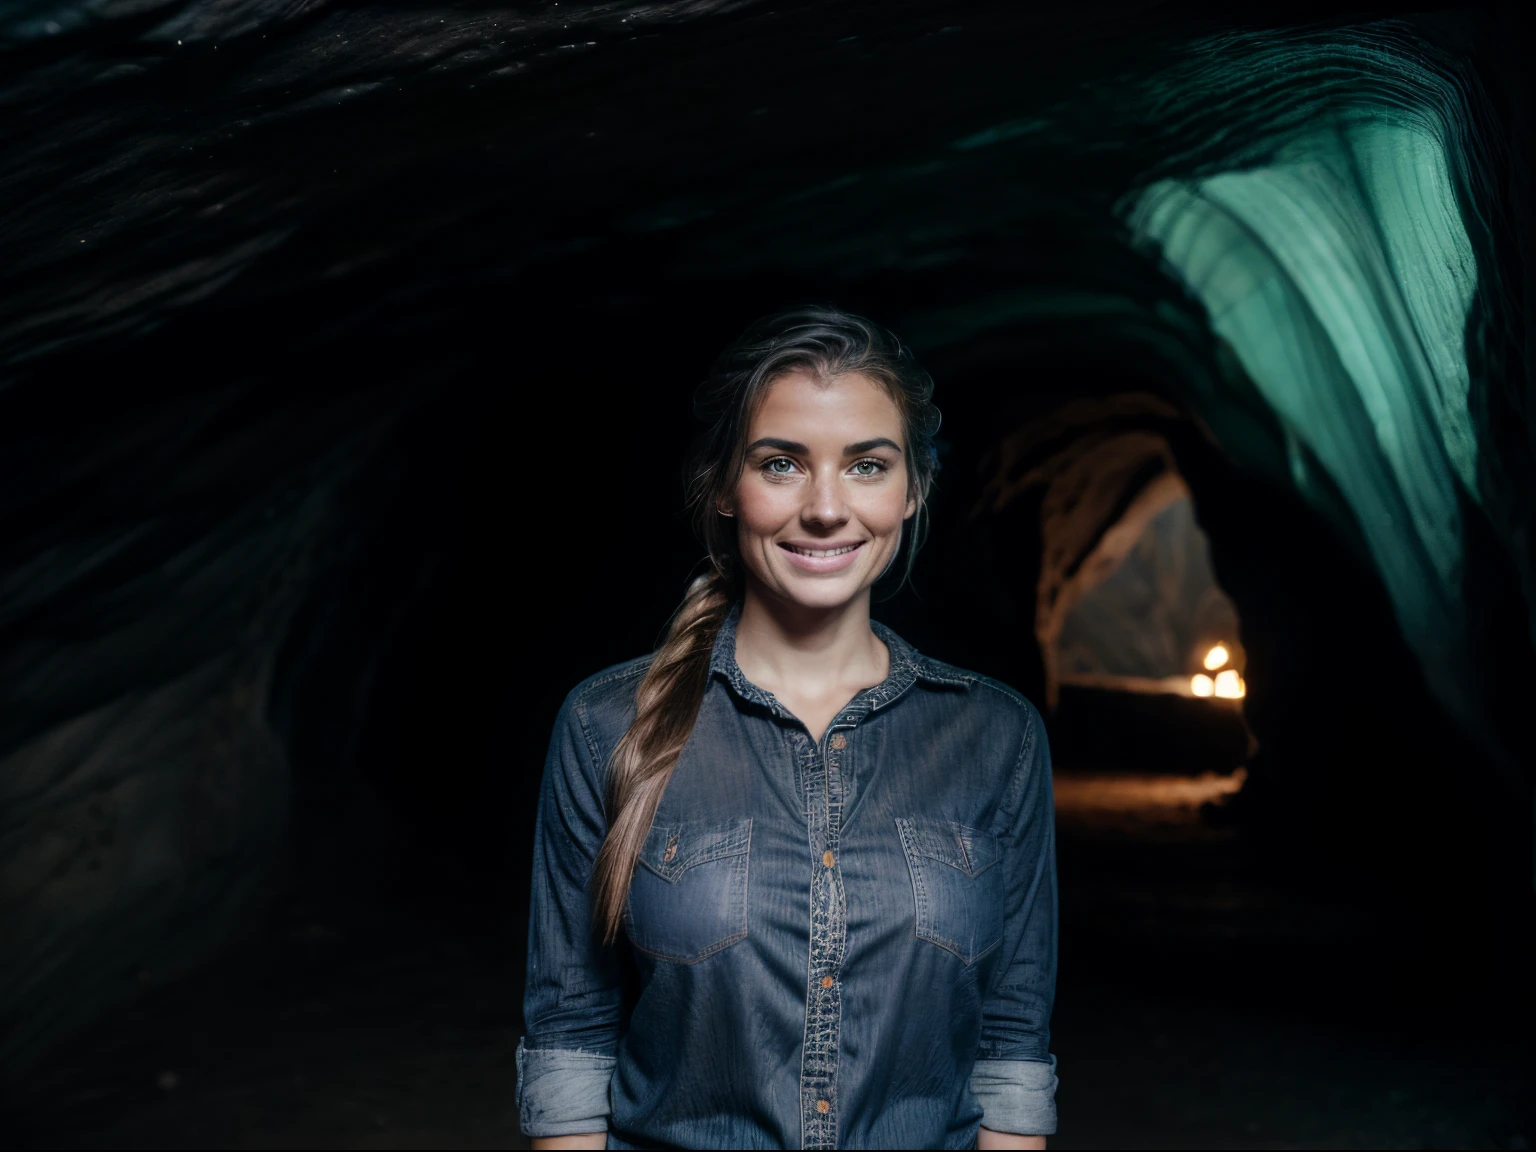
(871, 445)
(801, 449)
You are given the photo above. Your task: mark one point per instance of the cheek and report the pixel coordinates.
(762, 509)
(883, 510)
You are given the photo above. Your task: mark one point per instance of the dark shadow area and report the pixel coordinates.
(1147, 733)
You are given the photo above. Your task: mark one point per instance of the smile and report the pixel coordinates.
(821, 552)
(822, 561)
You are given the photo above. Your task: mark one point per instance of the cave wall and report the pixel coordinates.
(163, 555)
(1342, 276)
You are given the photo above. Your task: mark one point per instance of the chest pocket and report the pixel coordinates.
(688, 898)
(956, 884)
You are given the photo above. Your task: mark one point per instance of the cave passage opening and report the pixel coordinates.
(1151, 616)
(1147, 662)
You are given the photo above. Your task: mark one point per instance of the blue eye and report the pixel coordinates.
(779, 465)
(868, 468)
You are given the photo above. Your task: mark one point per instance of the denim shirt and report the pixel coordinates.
(849, 943)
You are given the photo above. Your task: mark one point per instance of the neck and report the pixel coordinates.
(781, 644)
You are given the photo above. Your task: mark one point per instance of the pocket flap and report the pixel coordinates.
(672, 849)
(968, 849)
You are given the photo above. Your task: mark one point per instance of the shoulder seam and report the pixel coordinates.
(580, 708)
(1003, 690)
(632, 668)
(1017, 784)
(579, 700)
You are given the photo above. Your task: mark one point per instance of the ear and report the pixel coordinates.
(723, 509)
(911, 509)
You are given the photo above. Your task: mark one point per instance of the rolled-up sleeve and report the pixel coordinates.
(562, 1092)
(1017, 1096)
(573, 1004)
(1015, 1075)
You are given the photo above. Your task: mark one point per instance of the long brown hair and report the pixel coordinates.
(823, 343)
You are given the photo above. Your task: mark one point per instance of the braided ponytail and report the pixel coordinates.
(666, 706)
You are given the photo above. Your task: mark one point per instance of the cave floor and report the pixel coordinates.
(1200, 1006)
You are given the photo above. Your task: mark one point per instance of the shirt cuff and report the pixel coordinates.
(1016, 1096)
(561, 1091)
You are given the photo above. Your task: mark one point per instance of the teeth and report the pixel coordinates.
(825, 551)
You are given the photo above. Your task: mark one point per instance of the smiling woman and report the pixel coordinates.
(810, 502)
(786, 814)
(819, 520)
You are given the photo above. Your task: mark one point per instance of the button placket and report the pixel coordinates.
(828, 938)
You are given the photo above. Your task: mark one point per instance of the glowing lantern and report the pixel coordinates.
(1216, 657)
(1230, 685)
(1202, 685)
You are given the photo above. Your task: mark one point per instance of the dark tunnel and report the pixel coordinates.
(346, 355)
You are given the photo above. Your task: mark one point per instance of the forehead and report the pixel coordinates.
(834, 406)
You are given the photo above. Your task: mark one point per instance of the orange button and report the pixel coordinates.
(839, 741)
(828, 859)
(823, 1107)
(826, 981)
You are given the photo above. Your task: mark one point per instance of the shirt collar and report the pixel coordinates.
(908, 667)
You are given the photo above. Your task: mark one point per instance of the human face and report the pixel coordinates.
(824, 491)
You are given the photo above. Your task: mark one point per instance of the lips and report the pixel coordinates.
(822, 559)
(820, 552)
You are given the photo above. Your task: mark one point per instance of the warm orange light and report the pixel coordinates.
(1216, 657)
(1202, 685)
(1229, 685)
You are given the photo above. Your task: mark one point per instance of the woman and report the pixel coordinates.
(794, 883)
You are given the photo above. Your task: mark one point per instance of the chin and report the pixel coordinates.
(811, 592)
(820, 597)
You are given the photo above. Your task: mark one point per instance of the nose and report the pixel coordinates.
(826, 505)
